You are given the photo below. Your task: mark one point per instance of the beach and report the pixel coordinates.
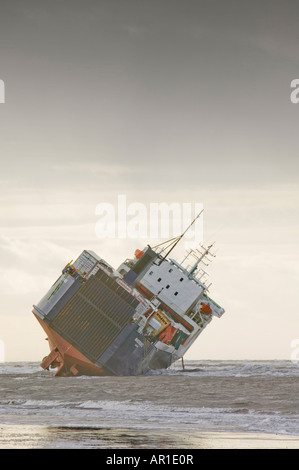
(47, 437)
(208, 405)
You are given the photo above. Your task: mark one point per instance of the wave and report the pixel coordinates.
(20, 368)
(205, 368)
(235, 368)
(189, 398)
(146, 415)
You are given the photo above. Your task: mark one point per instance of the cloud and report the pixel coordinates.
(29, 266)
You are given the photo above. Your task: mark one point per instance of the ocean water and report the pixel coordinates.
(166, 409)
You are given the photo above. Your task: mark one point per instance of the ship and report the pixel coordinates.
(130, 321)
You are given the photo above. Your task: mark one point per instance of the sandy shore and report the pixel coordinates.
(47, 437)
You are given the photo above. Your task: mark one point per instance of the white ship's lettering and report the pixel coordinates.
(96, 268)
(124, 285)
(132, 292)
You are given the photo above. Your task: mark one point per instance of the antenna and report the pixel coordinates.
(194, 267)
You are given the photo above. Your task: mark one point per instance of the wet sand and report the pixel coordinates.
(51, 437)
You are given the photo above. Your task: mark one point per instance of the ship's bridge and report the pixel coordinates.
(170, 283)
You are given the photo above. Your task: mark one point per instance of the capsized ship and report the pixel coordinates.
(140, 317)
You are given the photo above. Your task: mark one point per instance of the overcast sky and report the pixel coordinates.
(174, 101)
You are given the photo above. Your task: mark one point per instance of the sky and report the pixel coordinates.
(160, 101)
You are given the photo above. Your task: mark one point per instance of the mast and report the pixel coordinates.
(178, 239)
(194, 267)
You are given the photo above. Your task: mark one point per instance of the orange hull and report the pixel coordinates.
(68, 360)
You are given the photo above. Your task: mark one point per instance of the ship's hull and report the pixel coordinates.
(121, 358)
(66, 358)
